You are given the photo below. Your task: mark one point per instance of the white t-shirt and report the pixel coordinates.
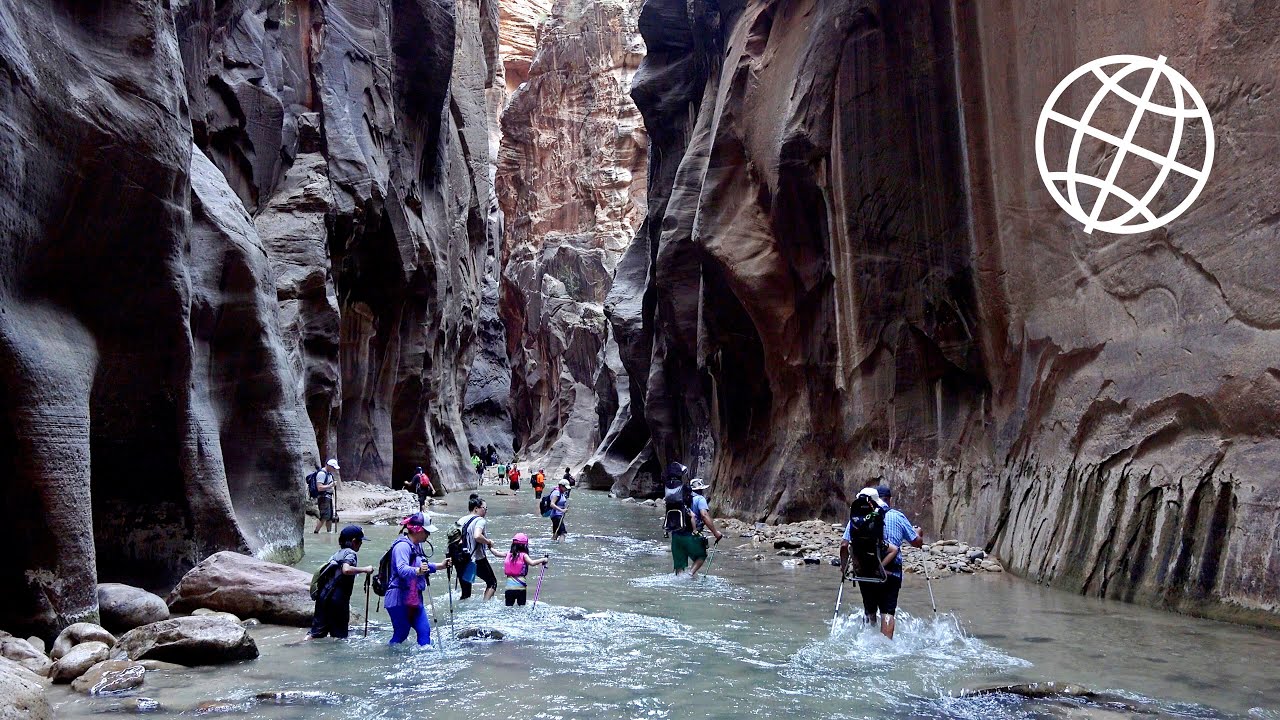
(475, 529)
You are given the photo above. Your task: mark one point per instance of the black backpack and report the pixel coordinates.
(459, 549)
(311, 484)
(678, 497)
(866, 540)
(544, 505)
(382, 578)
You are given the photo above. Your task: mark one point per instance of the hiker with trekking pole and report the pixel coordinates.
(702, 522)
(402, 577)
(871, 551)
(559, 505)
(332, 585)
(516, 568)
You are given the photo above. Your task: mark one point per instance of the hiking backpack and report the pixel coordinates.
(544, 505)
(460, 548)
(323, 577)
(678, 497)
(866, 540)
(311, 484)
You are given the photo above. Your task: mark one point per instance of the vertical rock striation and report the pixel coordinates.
(571, 176)
(850, 269)
(240, 236)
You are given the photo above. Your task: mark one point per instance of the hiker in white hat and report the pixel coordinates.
(326, 479)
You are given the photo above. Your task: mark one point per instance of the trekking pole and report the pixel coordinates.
(929, 581)
(538, 590)
(435, 617)
(367, 580)
(839, 595)
(452, 628)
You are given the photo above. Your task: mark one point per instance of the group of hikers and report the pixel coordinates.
(870, 551)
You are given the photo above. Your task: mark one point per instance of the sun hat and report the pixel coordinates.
(698, 484)
(333, 463)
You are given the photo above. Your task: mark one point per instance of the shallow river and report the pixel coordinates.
(614, 635)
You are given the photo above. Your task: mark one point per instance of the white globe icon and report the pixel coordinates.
(1138, 217)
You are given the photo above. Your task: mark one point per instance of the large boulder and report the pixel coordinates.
(124, 607)
(247, 587)
(109, 677)
(77, 633)
(79, 659)
(22, 693)
(187, 641)
(25, 654)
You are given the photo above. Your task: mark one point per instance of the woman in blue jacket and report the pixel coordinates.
(409, 571)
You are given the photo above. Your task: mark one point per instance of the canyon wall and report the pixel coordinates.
(851, 270)
(570, 181)
(239, 237)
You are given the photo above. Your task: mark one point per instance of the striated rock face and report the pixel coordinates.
(240, 236)
(571, 175)
(850, 268)
(518, 22)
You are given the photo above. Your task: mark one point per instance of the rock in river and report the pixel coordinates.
(77, 633)
(22, 693)
(109, 677)
(124, 607)
(188, 641)
(247, 587)
(79, 659)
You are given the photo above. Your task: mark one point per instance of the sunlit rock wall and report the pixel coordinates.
(570, 179)
(850, 269)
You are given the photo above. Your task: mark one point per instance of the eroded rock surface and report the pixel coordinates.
(850, 268)
(124, 607)
(240, 237)
(571, 176)
(246, 587)
(187, 641)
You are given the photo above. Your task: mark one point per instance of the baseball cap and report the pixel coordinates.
(884, 491)
(333, 463)
(564, 482)
(698, 484)
(350, 533)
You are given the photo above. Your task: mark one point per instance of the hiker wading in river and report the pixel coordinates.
(701, 521)
(559, 506)
(473, 531)
(337, 581)
(409, 571)
(326, 481)
(882, 597)
(421, 486)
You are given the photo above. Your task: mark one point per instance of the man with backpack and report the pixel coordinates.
(539, 484)
(332, 586)
(422, 487)
(879, 586)
(701, 512)
(559, 505)
(324, 481)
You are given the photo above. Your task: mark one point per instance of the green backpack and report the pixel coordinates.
(322, 577)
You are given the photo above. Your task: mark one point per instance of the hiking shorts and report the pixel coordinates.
(880, 597)
(517, 597)
(685, 548)
(324, 507)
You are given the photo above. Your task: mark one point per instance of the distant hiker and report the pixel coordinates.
(881, 597)
(559, 506)
(502, 471)
(514, 477)
(326, 480)
(408, 571)
(335, 584)
(678, 499)
(569, 476)
(478, 464)
(539, 484)
(473, 528)
(422, 487)
(516, 569)
(701, 512)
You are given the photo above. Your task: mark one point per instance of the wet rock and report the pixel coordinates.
(25, 654)
(975, 555)
(812, 560)
(161, 666)
(124, 607)
(246, 586)
(1037, 690)
(77, 633)
(188, 641)
(109, 677)
(503, 492)
(22, 693)
(38, 643)
(990, 566)
(222, 707)
(480, 634)
(792, 563)
(789, 553)
(78, 660)
(207, 613)
(138, 706)
(790, 543)
(298, 697)
(650, 503)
